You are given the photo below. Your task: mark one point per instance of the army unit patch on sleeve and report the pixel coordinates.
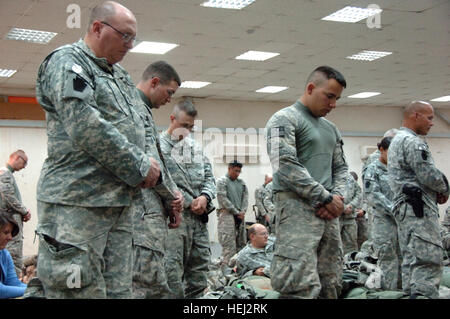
(79, 84)
(277, 131)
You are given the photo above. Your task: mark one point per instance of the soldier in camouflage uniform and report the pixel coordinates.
(188, 250)
(309, 179)
(347, 221)
(96, 161)
(260, 194)
(255, 258)
(445, 231)
(384, 233)
(232, 196)
(418, 188)
(12, 203)
(270, 206)
(151, 206)
(364, 216)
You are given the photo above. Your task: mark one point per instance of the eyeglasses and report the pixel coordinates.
(263, 234)
(125, 36)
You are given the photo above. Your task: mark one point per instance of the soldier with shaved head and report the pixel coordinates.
(418, 188)
(309, 180)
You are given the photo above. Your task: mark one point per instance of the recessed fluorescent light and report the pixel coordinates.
(153, 47)
(352, 14)
(30, 35)
(193, 84)
(256, 55)
(227, 4)
(272, 89)
(442, 99)
(363, 95)
(5, 73)
(368, 55)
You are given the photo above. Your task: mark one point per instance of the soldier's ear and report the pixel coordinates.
(310, 87)
(154, 81)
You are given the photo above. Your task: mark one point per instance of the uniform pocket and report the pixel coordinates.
(63, 266)
(288, 251)
(428, 250)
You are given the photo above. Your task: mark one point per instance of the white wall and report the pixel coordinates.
(360, 126)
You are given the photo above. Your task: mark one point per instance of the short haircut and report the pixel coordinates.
(163, 70)
(17, 153)
(385, 142)
(322, 73)
(6, 218)
(235, 163)
(185, 106)
(102, 12)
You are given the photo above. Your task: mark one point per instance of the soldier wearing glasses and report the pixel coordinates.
(96, 161)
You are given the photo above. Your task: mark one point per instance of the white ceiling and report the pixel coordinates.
(416, 31)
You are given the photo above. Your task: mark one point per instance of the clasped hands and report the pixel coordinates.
(333, 209)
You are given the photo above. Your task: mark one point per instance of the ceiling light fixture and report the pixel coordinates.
(193, 84)
(28, 35)
(256, 56)
(227, 4)
(5, 73)
(364, 95)
(442, 99)
(352, 14)
(272, 89)
(368, 55)
(153, 47)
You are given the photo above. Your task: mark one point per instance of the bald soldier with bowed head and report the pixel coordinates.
(96, 161)
(309, 180)
(418, 188)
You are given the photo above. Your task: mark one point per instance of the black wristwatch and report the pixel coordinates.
(328, 200)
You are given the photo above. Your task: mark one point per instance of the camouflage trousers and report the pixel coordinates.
(386, 246)
(149, 246)
(349, 234)
(308, 254)
(231, 239)
(421, 247)
(188, 256)
(149, 275)
(363, 230)
(84, 252)
(15, 246)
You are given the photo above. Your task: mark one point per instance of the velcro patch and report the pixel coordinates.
(79, 84)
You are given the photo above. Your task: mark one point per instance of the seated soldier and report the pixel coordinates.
(255, 258)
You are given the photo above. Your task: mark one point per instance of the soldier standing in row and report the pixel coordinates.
(152, 206)
(188, 249)
(232, 196)
(418, 188)
(263, 211)
(96, 160)
(347, 221)
(384, 233)
(309, 179)
(11, 201)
